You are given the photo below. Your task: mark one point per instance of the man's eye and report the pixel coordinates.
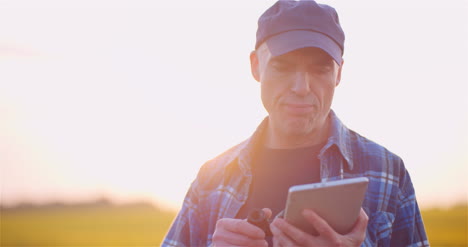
(320, 69)
(280, 66)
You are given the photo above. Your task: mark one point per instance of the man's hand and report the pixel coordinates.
(285, 234)
(237, 232)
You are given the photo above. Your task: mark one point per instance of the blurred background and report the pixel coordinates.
(109, 108)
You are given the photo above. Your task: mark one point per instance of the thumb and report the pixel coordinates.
(267, 212)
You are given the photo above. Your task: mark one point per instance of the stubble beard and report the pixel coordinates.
(295, 131)
(298, 127)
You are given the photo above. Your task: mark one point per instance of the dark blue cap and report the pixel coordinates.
(291, 25)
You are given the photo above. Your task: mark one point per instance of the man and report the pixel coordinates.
(298, 62)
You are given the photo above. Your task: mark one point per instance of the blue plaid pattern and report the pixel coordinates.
(222, 186)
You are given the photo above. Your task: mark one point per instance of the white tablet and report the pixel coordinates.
(337, 202)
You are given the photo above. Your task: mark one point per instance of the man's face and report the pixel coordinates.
(297, 89)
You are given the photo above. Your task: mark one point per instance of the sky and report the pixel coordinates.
(127, 99)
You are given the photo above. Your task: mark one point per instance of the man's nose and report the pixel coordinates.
(301, 84)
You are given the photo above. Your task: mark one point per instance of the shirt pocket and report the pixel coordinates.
(380, 226)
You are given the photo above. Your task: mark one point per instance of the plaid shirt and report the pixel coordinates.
(222, 186)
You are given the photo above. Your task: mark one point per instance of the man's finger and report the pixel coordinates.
(279, 237)
(360, 227)
(361, 223)
(267, 212)
(242, 227)
(227, 238)
(292, 232)
(320, 225)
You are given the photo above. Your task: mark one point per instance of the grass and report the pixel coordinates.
(96, 225)
(104, 224)
(447, 227)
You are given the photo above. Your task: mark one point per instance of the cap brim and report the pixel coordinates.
(292, 40)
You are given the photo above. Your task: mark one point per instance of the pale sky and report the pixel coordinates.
(127, 99)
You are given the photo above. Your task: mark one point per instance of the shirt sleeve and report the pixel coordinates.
(186, 229)
(408, 227)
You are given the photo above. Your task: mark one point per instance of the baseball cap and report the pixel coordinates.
(291, 25)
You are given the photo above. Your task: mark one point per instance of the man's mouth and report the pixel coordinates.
(299, 109)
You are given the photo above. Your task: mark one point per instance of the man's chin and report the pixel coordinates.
(297, 127)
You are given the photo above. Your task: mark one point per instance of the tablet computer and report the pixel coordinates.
(337, 202)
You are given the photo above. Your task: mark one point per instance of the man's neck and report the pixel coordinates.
(280, 140)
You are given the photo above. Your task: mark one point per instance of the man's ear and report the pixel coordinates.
(254, 66)
(338, 76)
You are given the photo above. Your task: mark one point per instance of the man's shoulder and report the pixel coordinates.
(214, 170)
(373, 156)
(227, 157)
(369, 147)
(356, 146)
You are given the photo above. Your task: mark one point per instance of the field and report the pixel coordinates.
(85, 225)
(140, 224)
(447, 227)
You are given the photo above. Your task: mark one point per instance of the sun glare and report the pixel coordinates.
(127, 100)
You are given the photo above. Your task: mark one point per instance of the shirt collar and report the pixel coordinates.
(339, 137)
(252, 146)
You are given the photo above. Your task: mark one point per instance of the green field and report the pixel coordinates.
(447, 227)
(85, 225)
(104, 224)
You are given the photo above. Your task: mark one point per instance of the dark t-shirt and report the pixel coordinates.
(274, 171)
